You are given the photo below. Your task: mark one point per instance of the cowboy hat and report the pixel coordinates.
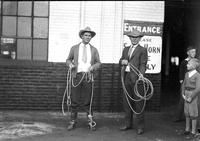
(134, 33)
(87, 29)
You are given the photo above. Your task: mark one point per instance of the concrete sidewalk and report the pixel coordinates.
(51, 126)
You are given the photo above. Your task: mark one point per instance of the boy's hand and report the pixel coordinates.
(189, 99)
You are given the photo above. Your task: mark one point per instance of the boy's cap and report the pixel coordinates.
(190, 48)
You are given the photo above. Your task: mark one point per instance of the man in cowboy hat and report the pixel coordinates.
(137, 56)
(83, 58)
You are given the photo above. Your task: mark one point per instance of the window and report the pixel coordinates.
(24, 30)
(24, 27)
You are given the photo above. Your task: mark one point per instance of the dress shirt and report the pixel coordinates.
(132, 48)
(83, 66)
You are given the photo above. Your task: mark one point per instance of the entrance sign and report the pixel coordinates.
(152, 40)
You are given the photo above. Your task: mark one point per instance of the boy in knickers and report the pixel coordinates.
(190, 93)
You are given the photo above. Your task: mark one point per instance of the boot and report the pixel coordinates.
(71, 125)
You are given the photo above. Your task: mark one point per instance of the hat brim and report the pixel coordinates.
(135, 35)
(190, 48)
(83, 31)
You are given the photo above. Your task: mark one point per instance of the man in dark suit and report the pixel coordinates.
(83, 58)
(138, 57)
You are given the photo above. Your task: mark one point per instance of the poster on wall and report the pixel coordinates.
(8, 48)
(152, 40)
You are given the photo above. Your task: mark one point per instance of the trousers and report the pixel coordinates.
(80, 96)
(137, 106)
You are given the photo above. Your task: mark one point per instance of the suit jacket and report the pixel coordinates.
(73, 58)
(183, 69)
(138, 59)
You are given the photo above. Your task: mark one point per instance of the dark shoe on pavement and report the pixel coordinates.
(71, 125)
(186, 133)
(140, 131)
(92, 128)
(124, 128)
(191, 136)
(198, 130)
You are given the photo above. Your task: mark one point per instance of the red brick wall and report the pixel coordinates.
(26, 85)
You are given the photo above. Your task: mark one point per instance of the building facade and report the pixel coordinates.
(36, 37)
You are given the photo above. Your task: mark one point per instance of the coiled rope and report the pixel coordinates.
(146, 86)
(67, 92)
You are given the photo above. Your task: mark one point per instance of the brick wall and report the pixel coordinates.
(26, 85)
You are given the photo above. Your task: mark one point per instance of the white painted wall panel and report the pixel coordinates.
(64, 22)
(104, 17)
(152, 11)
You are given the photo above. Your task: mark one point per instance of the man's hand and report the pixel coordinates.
(140, 75)
(124, 62)
(71, 65)
(91, 69)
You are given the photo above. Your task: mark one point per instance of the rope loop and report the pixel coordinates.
(70, 83)
(146, 85)
(91, 123)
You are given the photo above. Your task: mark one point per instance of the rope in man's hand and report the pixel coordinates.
(146, 86)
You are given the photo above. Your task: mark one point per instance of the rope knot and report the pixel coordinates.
(91, 123)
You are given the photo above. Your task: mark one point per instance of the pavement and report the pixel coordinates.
(52, 126)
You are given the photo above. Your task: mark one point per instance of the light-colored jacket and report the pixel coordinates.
(73, 58)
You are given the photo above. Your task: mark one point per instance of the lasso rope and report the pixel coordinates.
(92, 123)
(69, 85)
(67, 91)
(146, 85)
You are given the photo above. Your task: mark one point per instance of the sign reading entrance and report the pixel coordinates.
(152, 40)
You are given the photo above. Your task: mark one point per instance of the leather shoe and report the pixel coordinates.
(140, 131)
(71, 125)
(92, 128)
(124, 128)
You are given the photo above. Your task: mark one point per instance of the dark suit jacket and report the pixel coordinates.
(182, 69)
(138, 59)
(73, 58)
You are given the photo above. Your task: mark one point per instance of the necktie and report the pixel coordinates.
(129, 52)
(84, 58)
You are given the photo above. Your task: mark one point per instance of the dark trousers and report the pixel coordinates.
(80, 96)
(137, 106)
(179, 115)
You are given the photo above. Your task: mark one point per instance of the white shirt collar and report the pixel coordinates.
(82, 44)
(191, 73)
(134, 46)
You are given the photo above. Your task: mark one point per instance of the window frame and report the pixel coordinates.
(32, 38)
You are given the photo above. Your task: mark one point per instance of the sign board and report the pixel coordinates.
(8, 48)
(152, 40)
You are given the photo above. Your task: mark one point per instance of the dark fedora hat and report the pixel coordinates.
(134, 33)
(87, 29)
